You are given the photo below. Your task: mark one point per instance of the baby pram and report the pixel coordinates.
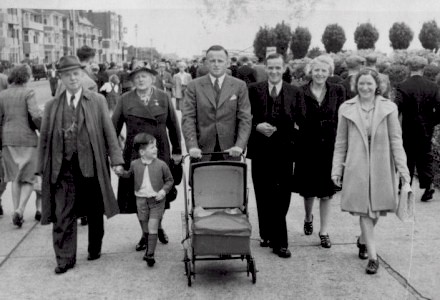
(215, 221)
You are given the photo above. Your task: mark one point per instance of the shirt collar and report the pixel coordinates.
(77, 96)
(145, 161)
(278, 87)
(220, 79)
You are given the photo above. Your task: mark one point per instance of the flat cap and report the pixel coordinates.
(354, 60)
(416, 62)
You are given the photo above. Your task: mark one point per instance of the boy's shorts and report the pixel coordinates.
(149, 208)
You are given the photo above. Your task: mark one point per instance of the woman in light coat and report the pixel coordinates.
(368, 151)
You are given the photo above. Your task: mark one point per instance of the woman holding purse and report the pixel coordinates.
(368, 151)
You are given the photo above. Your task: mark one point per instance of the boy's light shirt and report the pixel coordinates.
(146, 189)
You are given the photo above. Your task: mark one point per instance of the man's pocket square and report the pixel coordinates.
(234, 97)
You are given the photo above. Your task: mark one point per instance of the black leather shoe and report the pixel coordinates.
(150, 260)
(162, 236)
(308, 227)
(1, 210)
(38, 216)
(94, 256)
(17, 219)
(282, 252)
(63, 269)
(372, 267)
(142, 244)
(264, 243)
(325, 241)
(363, 252)
(84, 221)
(427, 195)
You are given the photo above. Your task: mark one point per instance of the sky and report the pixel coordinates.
(187, 27)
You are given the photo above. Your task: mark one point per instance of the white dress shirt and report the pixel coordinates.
(77, 97)
(146, 189)
(278, 87)
(220, 80)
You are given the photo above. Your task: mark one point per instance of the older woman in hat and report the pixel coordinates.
(145, 109)
(19, 118)
(77, 139)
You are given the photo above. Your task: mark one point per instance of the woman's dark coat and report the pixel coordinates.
(155, 118)
(312, 175)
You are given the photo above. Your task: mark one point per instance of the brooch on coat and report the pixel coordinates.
(156, 102)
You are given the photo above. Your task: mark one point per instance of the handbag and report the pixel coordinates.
(176, 171)
(405, 207)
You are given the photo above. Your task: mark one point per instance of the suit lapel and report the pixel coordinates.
(208, 89)
(226, 90)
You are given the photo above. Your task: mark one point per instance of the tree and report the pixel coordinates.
(300, 42)
(429, 35)
(365, 36)
(314, 52)
(283, 35)
(265, 37)
(400, 35)
(333, 38)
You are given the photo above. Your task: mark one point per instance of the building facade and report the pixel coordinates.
(42, 36)
(112, 34)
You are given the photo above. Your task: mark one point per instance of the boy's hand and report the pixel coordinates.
(160, 195)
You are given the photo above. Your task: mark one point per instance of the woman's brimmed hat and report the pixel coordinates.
(68, 62)
(138, 69)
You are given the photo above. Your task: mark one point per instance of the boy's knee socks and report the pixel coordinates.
(151, 241)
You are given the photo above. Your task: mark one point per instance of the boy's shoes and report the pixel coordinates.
(162, 236)
(149, 258)
(84, 221)
(282, 252)
(1, 210)
(94, 256)
(372, 267)
(427, 195)
(142, 244)
(17, 219)
(38, 216)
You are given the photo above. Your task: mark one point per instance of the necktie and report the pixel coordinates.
(72, 103)
(217, 90)
(273, 93)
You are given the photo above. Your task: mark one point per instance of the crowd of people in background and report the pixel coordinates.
(337, 119)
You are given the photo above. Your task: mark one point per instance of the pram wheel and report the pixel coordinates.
(188, 271)
(251, 268)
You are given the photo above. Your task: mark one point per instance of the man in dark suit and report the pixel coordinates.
(233, 67)
(76, 139)
(418, 100)
(193, 69)
(277, 108)
(216, 113)
(246, 72)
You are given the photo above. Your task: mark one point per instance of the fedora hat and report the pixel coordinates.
(69, 62)
(141, 68)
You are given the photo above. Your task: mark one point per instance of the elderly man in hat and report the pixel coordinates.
(418, 100)
(77, 138)
(354, 64)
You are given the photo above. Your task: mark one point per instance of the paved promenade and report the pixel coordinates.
(27, 261)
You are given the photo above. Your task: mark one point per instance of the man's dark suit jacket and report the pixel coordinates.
(293, 101)
(418, 99)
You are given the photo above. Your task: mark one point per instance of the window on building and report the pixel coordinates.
(36, 38)
(45, 21)
(55, 20)
(11, 31)
(26, 36)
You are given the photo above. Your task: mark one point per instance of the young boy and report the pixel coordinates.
(152, 181)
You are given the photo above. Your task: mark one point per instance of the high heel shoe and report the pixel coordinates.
(372, 267)
(363, 252)
(308, 227)
(17, 219)
(325, 241)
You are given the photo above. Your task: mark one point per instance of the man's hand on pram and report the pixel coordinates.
(195, 153)
(160, 195)
(234, 151)
(177, 158)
